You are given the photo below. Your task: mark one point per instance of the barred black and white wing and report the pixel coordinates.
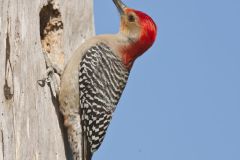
(102, 78)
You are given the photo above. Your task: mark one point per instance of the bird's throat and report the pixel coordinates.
(132, 51)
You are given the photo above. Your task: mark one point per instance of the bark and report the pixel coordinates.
(31, 127)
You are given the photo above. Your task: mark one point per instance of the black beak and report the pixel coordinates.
(120, 6)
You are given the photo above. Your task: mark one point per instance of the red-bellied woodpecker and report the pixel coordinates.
(95, 77)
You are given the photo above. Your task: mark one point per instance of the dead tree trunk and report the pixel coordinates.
(31, 127)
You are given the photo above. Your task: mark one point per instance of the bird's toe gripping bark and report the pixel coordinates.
(52, 76)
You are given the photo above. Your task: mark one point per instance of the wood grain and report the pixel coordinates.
(31, 126)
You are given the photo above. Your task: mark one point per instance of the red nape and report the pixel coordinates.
(146, 39)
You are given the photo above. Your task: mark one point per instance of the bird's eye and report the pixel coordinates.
(131, 18)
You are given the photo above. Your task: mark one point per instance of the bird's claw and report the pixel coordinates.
(51, 77)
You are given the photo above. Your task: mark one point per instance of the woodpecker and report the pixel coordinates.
(95, 77)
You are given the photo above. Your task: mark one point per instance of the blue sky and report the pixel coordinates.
(182, 101)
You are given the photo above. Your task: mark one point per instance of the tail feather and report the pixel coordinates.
(74, 130)
(87, 154)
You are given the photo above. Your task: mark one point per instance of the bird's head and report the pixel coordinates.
(139, 29)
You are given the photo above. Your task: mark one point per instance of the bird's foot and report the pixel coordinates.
(52, 76)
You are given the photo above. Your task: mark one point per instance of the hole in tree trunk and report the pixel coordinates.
(51, 32)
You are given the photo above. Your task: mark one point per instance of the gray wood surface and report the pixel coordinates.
(31, 126)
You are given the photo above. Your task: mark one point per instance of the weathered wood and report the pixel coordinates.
(30, 124)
